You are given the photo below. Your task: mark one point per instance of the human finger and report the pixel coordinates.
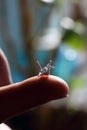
(5, 76)
(20, 97)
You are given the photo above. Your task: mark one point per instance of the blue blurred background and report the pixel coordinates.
(45, 30)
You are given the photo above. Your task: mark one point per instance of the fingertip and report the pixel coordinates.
(5, 75)
(59, 87)
(50, 87)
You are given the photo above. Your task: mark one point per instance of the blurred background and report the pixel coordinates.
(45, 30)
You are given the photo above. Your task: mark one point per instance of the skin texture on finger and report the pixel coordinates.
(20, 97)
(5, 76)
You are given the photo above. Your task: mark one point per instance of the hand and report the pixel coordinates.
(16, 98)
